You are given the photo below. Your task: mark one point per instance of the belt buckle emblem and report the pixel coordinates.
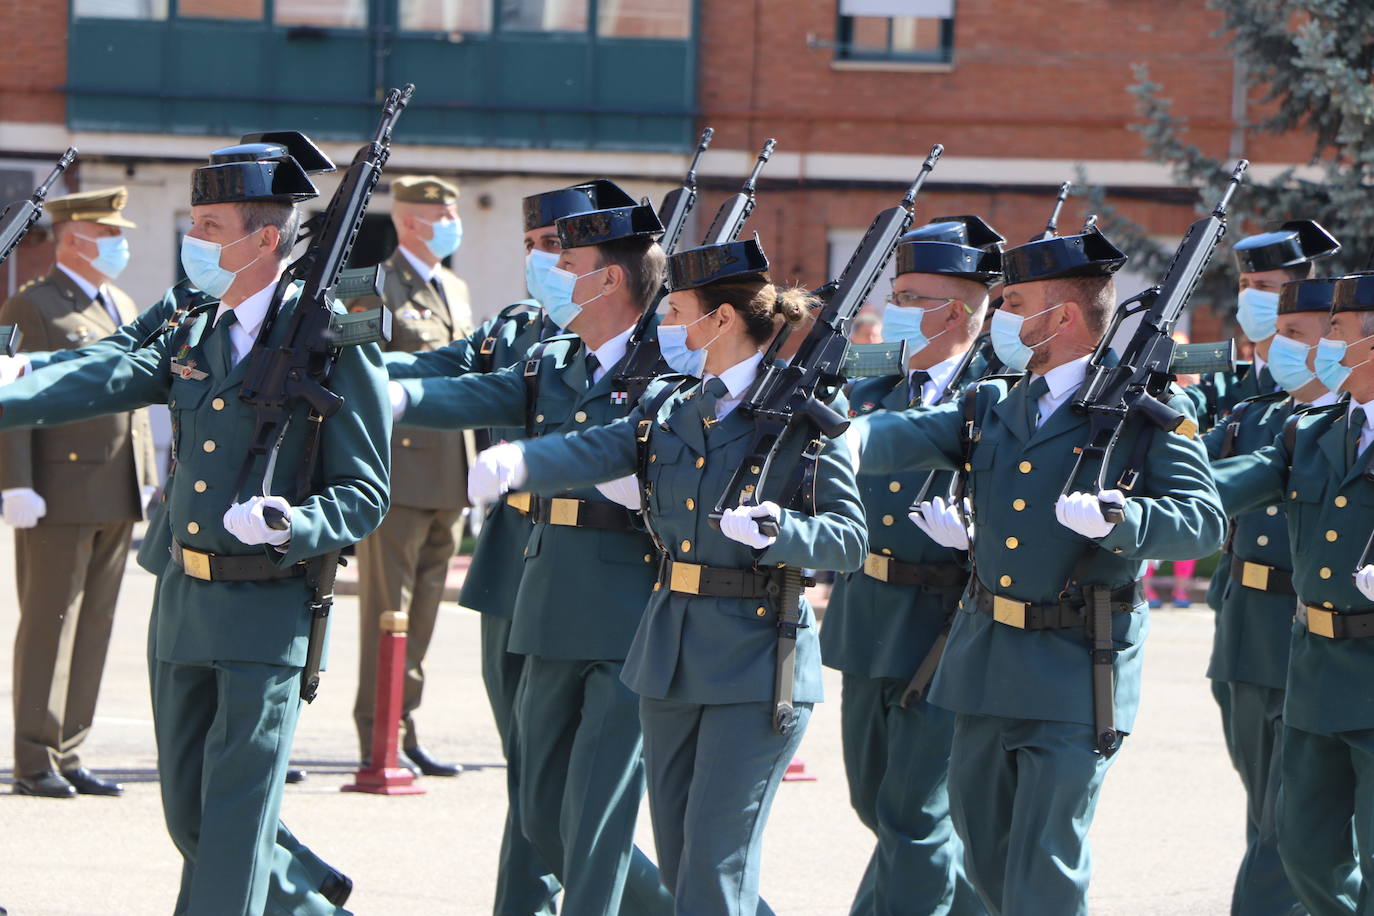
(1255, 575)
(686, 578)
(876, 567)
(563, 511)
(1009, 611)
(196, 564)
(1321, 622)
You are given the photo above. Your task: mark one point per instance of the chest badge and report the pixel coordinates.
(187, 370)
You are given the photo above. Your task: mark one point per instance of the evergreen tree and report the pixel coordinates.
(1311, 62)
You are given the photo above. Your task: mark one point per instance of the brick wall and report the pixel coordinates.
(34, 64)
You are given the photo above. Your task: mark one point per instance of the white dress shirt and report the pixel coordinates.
(94, 293)
(737, 380)
(610, 353)
(1063, 380)
(426, 271)
(248, 316)
(941, 374)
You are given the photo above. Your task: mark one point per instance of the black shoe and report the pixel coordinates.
(294, 775)
(87, 783)
(334, 888)
(428, 765)
(44, 785)
(401, 761)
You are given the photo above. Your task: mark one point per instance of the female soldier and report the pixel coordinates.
(703, 658)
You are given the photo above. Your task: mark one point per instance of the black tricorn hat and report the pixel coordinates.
(958, 246)
(1297, 241)
(265, 166)
(1312, 295)
(1354, 293)
(598, 227)
(1087, 255)
(713, 263)
(551, 206)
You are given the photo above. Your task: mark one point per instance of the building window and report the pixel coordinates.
(120, 9)
(644, 18)
(896, 30)
(220, 9)
(445, 16)
(543, 15)
(327, 14)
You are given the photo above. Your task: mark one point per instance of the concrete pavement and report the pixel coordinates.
(1168, 836)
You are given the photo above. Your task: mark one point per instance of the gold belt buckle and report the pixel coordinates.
(1255, 575)
(563, 511)
(1009, 611)
(685, 578)
(1321, 622)
(876, 566)
(195, 563)
(520, 502)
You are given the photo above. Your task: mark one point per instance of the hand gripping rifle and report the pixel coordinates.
(796, 397)
(644, 364)
(1136, 386)
(18, 218)
(278, 378)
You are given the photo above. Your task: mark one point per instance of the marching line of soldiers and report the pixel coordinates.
(959, 620)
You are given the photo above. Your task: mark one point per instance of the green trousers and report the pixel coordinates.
(713, 772)
(581, 778)
(1326, 820)
(1256, 729)
(524, 885)
(295, 873)
(1022, 794)
(897, 763)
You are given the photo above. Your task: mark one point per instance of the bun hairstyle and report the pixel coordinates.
(764, 307)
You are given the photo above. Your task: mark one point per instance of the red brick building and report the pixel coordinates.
(515, 102)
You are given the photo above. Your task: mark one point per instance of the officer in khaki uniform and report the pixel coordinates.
(73, 494)
(403, 564)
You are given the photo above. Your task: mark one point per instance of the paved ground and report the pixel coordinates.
(1167, 839)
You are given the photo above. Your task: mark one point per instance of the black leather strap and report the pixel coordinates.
(717, 582)
(1341, 626)
(581, 513)
(231, 569)
(934, 575)
(1060, 615)
(1275, 579)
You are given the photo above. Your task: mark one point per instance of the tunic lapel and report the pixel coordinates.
(1011, 410)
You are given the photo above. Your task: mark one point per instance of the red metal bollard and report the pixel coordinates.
(384, 776)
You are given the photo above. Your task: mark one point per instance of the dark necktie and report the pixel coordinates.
(918, 384)
(710, 396)
(1038, 389)
(592, 365)
(1352, 435)
(438, 288)
(224, 341)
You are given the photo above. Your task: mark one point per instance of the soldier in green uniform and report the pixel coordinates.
(703, 658)
(232, 622)
(1024, 767)
(580, 769)
(404, 563)
(73, 495)
(1254, 623)
(1317, 468)
(886, 622)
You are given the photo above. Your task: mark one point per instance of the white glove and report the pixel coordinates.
(623, 490)
(146, 494)
(1364, 581)
(399, 400)
(741, 524)
(943, 524)
(1082, 512)
(13, 367)
(23, 507)
(246, 522)
(497, 470)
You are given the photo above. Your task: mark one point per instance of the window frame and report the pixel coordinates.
(847, 52)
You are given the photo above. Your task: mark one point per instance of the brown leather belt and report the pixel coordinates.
(211, 567)
(573, 513)
(715, 582)
(896, 572)
(1059, 615)
(1334, 624)
(1262, 578)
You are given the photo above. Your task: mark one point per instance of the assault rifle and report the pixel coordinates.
(15, 223)
(278, 378)
(1052, 224)
(1117, 393)
(643, 363)
(797, 397)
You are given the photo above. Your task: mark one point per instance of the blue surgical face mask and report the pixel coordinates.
(446, 237)
(112, 255)
(672, 344)
(1258, 313)
(1329, 355)
(200, 260)
(1006, 338)
(901, 323)
(1288, 363)
(537, 266)
(558, 287)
